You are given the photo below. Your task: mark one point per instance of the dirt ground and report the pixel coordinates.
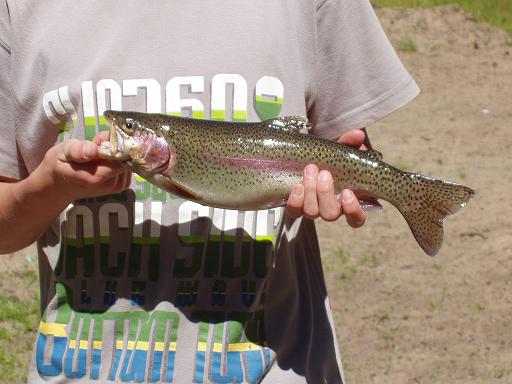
(401, 316)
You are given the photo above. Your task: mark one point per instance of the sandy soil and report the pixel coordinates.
(401, 316)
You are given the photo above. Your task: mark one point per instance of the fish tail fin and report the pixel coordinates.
(429, 202)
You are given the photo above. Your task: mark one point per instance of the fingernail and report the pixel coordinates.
(324, 176)
(311, 171)
(88, 149)
(347, 196)
(297, 190)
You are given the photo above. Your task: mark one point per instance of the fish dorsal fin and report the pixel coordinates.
(374, 154)
(292, 124)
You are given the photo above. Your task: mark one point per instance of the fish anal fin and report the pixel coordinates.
(367, 201)
(294, 124)
(371, 205)
(427, 227)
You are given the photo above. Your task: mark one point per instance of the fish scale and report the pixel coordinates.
(251, 166)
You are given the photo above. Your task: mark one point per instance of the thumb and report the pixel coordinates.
(354, 137)
(78, 151)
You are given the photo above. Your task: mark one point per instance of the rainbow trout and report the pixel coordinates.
(251, 166)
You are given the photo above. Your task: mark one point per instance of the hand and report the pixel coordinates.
(73, 170)
(316, 196)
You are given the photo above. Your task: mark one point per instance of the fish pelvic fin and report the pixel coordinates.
(294, 124)
(430, 201)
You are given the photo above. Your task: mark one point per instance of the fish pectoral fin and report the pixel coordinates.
(292, 124)
(175, 188)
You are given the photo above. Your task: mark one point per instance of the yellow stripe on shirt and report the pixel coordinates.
(54, 329)
(233, 347)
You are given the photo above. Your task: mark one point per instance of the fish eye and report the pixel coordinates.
(128, 124)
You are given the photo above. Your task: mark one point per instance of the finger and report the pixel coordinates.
(95, 172)
(355, 215)
(295, 201)
(120, 183)
(125, 180)
(78, 151)
(328, 207)
(128, 182)
(354, 138)
(100, 137)
(310, 208)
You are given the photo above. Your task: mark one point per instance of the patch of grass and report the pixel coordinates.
(436, 47)
(420, 25)
(495, 12)
(370, 259)
(14, 309)
(383, 316)
(387, 367)
(479, 307)
(342, 255)
(499, 372)
(5, 334)
(389, 334)
(347, 269)
(328, 264)
(406, 45)
(437, 303)
(19, 316)
(461, 173)
(438, 266)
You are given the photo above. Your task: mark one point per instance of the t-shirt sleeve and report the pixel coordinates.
(358, 76)
(11, 163)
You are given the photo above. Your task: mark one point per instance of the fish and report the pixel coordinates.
(254, 165)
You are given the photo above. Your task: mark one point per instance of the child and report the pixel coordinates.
(136, 284)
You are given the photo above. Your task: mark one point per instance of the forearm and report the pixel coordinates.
(27, 208)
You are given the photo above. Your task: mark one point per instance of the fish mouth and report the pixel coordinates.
(141, 149)
(115, 147)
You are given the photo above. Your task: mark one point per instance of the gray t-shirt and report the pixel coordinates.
(144, 286)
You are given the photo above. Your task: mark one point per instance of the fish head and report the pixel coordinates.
(137, 140)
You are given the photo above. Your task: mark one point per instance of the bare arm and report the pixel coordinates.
(27, 207)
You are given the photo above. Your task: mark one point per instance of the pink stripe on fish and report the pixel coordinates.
(275, 165)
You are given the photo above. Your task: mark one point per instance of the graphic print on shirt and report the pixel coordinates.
(60, 110)
(122, 296)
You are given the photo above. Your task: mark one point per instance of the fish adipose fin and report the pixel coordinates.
(430, 202)
(374, 154)
(294, 124)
